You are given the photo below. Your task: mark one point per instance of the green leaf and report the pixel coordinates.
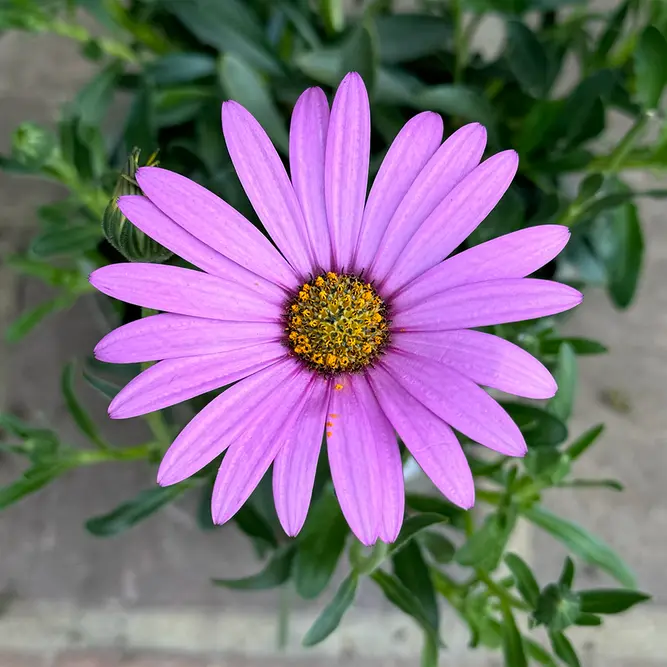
(34, 479)
(413, 573)
(141, 127)
(513, 649)
(581, 346)
(584, 441)
(332, 614)
(26, 322)
(405, 37)
(254, 525)
(527, 59)
(566, 379)
(434, 505)
(242, 83)
(650, 67)
(610, 600)
(276, 573)
(539, 427)
(537, 653)
(611, 32)
(484, 548)
(588, 547)
(456, 100)
(93, 100)
(563, 649)
(133, 511)
(228, 26)
(70, 241)
(333, 15)
(413, 526)
(360, 54)
(612, 484)
(566, 577)
(106, 388)
(319, 546)
(525, 581)
(439, 548)
(401, 596)
(589, 620)
(176, 68)
(81, 418)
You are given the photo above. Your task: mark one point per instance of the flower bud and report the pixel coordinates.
(33, 146)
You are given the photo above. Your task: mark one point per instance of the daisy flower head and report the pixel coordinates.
(352, 325)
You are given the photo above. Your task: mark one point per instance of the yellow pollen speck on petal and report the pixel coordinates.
(338, 386)
(329, 434)
(329, 424)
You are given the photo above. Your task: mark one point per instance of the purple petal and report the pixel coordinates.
(153, 222)
(183, 291)
(226, 419)
(365, 462)
(296, 463)
(307, 145)
(456, 400)
(454, 160)
(410, 151)
(430, 441)
(176, 380)
(215, 223)
(486, 359)
(514, 255)
(248, 459)
(346, 167)
(487, 303)
(168, 336)
(267, 185)
(454, 219)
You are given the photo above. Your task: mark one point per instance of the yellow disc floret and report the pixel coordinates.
(337, 323)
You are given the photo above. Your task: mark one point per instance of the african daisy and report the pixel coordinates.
(351, 326)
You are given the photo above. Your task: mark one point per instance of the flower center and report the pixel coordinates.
(337, 323)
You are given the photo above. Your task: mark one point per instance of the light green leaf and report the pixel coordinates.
(26, 322)
(524, 578)
(581, 543)
(610, 600)
(332, 614)
(484, 548)
(566, 577)
(584, 441)
(333, 15)
(566, 379)
(650, 67)
(245, 85)
(133, 511)
(33, 480)
(276, 573)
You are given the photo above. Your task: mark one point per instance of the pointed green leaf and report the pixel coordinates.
(527, 59)
(333, 15)
(254, 525)
(413, 526)
(588, 547)
(610, 600)
(566, 379)
(26, 322)
(590, 620)
(650, 67)
(33, 480)
(276, 573)
(584, 441)
(513, 649)
(133, 511)
(360, 54)
(525, 581)
(106, 388)
(566, 577)
(581, 346)
(70, 241)
(484, 548)
(93, 100)
(332, 614)
(176, 68)
(456, 100)
(539, 427)
(563, 649)
(440, 548)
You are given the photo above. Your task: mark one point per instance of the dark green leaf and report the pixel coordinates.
(413, 573)
(590, 620)
(93, 100)
(539, 428)
(557, 607)
(566, 379)
(589, 186)
(537, 653)
(581, 346)
(456, 100)
(484, 548)
(414, 525)
(439, 548)
(276, 573)
(66, 242)
(133, 511)
(611, 32)
(332, 614)
(547, 464)
(32, 480)
(404, 599)
(527, 59)
(650, 67)
(610, 600)
(254, 525)
(588, 547)
(525, 581)
(566, 577)
(584, 441)
(513, 649)
(436, 505)
(563, 649)
(244, 84)
(175, 68)
(106, 388)
(612, 484)
(141, 128)
(204, 518)
(174, 106)
(410, 36)
(81, 418)
(26, 322)
(360, 54)
(319, 546)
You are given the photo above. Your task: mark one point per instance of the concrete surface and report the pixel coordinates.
(143, 599)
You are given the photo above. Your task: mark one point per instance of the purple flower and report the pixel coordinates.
(353, 326)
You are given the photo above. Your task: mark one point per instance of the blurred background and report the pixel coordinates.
(144, 599)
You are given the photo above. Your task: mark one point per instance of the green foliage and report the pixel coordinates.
(174, 61)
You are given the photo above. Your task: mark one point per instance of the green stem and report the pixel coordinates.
(283, 614)
(618, 155)
(367, 564)
(78, 33)
(459, 40)
(91, 457)
(501, 593)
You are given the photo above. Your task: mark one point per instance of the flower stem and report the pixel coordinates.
(618, 155)
(285, 600)
(500, 592)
